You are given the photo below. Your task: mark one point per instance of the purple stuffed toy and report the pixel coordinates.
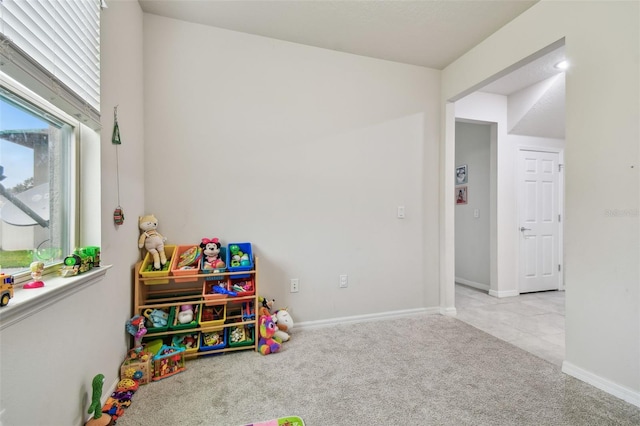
(267, 344)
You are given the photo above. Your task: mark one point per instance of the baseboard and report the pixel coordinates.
(367, 317)
(504, 293)
(479, 286)
(629, 395)
(450, 312)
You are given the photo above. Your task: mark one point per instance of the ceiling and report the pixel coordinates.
(429, 33)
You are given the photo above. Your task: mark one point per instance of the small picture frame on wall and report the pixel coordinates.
(462, 175)
(461, 195)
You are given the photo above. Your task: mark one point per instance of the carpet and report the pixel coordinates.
(282, 421)
(417, 370)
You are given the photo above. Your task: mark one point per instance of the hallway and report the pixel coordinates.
(533, 321)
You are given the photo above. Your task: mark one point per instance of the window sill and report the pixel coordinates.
(27, 302)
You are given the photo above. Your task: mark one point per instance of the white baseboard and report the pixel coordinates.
(479, 286)
(450, 312)
(504, 293)
(629, 395)
(367, 317)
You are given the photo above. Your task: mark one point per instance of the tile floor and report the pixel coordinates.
(532, 321)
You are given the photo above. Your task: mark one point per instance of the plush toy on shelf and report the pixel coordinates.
(211, 250)
(267, 328)
(185, 315)
(284, 322)
(152, 240)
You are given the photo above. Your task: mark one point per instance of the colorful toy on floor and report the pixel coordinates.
(267, 328)
(152, 240)
(98, 419)
(120, 398)
(284, 322)
(169, 361)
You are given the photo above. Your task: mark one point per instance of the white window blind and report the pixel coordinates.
(53, 47)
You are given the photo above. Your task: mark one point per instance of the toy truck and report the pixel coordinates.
(6, 288)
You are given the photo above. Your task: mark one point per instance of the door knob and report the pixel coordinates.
(522, 229)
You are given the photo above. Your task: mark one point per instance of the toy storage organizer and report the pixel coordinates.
(218, 318)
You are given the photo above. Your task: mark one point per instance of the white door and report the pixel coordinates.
(539, 210)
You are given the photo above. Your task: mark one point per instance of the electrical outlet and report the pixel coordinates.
(400, 212)
(344, 281)
(295, 285)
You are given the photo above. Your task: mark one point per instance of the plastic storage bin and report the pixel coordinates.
(148, 261)
(244, 265)
(159, 314)
(207, 269)
(212, 315)
(210, 296)
(177, 315)
(241, 335)
(213, 339)
(191, 268)
(190, 342)
(241, 286)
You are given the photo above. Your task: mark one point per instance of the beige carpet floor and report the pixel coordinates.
(419, 370)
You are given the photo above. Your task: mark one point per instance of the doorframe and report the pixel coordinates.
(561, 189)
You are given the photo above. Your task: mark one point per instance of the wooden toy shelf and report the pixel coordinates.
(174, 293)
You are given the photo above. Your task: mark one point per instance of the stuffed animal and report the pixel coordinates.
(267, 344)
(265, 305)
(211, 250)
(284, 322)
(152, 240)
(185, 315)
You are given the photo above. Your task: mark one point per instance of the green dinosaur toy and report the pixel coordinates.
(96, 407)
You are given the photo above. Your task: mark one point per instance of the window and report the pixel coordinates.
(37, 174)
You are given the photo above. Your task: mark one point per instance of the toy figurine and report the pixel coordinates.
(36, 273)
(135, 327)
(152, 240)
(99, 418)
(211, 249)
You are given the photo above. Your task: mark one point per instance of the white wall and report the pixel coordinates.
(472, 233)
(601, 250)
(302, 151)
(50, 358)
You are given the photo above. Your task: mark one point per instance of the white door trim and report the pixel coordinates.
(560, 152)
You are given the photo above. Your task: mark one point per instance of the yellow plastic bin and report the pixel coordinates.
(147, 263)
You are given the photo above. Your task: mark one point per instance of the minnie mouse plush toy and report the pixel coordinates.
(211, 251)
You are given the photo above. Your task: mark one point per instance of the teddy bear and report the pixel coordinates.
(267, 328)
(284, 323)
(211, 250)
(152, 240)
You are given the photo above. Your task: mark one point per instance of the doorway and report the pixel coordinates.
(533, 320)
